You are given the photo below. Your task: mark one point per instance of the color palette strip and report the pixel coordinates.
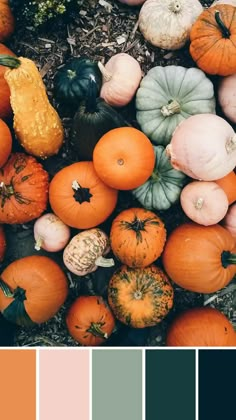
(127, 384)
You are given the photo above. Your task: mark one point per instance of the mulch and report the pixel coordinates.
(98, 30)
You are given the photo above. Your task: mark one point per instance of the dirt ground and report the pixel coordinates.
(97, 31)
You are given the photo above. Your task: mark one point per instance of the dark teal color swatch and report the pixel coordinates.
(117, 384)
(170, 384)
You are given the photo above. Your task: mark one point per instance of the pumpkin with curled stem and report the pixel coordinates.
(140, 297)
(164, 186)
(169, 95)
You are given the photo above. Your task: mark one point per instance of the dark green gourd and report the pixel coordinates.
(93, 119)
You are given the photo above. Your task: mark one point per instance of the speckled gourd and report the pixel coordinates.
(36, 123)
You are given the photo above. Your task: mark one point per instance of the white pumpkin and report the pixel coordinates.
(227, 96)
(232, 2)
(167, 23)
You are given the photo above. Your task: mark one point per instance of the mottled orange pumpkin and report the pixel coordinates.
(137, 237)
(213, 40)
(7, 21)
(90, 320)
(140, 297)
(5, 142)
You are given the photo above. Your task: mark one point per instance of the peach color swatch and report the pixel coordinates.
(63, 384)
(18, 384)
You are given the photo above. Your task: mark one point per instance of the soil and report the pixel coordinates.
(98, 30)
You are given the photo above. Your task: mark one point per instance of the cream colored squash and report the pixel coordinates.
(167, 23)
(227, 96)
(232, 2)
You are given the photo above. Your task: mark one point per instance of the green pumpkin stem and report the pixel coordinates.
(9, 61)
(227, 258)
(6, 289)
(225, 31)
(95, 329)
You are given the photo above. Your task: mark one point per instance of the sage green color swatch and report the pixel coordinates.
(170, 384)
(116, 384)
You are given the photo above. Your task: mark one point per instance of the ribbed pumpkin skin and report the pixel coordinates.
(86, 311)
(5, 142)
(137, 237)
(140, 297)
(212, 52)
(83, 249)
(2, 243)
(201, 327)
(25, 193)
(5, 106)
(89, 213)
(192, 257)
(45, 285)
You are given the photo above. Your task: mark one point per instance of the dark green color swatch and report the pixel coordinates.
(170, 384)
(116, 384)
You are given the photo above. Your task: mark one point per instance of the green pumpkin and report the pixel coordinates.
(164, 186)
(167, 96)
(71, 81)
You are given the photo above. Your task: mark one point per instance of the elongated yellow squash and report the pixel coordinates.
(37, 125)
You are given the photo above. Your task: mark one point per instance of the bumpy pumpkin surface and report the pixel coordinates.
(140, 297)
(137, 237)
(167, 96)
(164, 186)
(23, 189)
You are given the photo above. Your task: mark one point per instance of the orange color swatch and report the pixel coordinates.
(18, 384)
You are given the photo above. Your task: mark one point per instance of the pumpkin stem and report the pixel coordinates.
(175, 6)
(138, 295)
(173, 107)
(106, 74)
(38, 243)
(230, 144)
(227, 258)
(104, 262)
(225, 31)
(5, 289)
(9, 61)
(155, 175)
(95, 329)
(71, 74)
(81, 194)
(199, 203)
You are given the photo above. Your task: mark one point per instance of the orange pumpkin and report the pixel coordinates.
(201, 327)
(23, 189)
(90, 321)
(79, 198)
(124, 158)
(32, 290)
(5, 142)
(140, 297)
(228, 184)
(137, 237)
(2, 243)
(5, 106)
(200, 258)
(213, 40)
(7, 21)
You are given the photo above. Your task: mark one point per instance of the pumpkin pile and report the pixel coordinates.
(178, 152)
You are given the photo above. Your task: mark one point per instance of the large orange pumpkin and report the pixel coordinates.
(32, 290)
(213, 40)
(7, 21)
(2, 243)
(5, 142)
(200, 258)
(137, 237)
(79, 198)
(5, 106)
(124, 158)
(201, 327)
(90, 320)
(23, 189)
(140, 297)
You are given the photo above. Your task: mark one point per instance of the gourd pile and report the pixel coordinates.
(180, 151)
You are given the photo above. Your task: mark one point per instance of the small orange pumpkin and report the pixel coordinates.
(7, 21)
(5, 106)
(90, 320)
(79, 198)
(2, 243)
(201, 327)
(5, 142)
(124, 158)
(213, 37)
(140, 297)
(228, 184)
(23, 189)
(137, 237)
(32, 290)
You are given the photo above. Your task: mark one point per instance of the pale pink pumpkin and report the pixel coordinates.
(121, 78)
(227, 96)
(50, 233)
(204, 202)
(229, 222)
(203, 147)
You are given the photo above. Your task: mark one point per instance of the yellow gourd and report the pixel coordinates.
(36, 123)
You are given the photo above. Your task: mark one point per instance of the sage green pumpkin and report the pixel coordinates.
(167, 96)
(164, 186)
